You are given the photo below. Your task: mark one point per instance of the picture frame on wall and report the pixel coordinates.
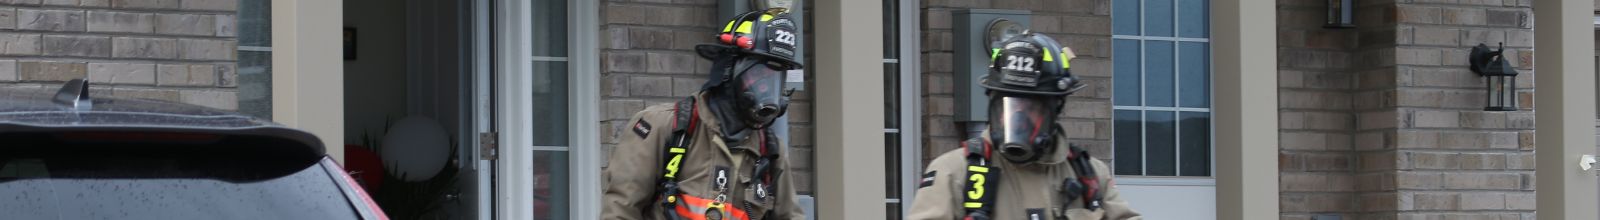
(349, 43)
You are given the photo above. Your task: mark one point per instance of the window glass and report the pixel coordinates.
(1194, 18)
(255, 83)
(254, 67)
(550, 187)
(1158, 76)
(892, 169)
(1125, 17)
(1158, 18)
(549, 111)
(1194, 75)
(1194, 144)
(549, 28)
(255, 23)
(1129, 141)
(1127, 71)
(891, 93)
(1160, 143)
(1162, 88)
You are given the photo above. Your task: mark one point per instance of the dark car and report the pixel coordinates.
(67, 156)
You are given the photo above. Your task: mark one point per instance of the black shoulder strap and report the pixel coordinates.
(684, 114)
(979, 197)
(1088, 182)
(765, 167)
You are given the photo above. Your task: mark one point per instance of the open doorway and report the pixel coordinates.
(412, 107)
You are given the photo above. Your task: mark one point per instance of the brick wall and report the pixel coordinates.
(1083, 25)
(647, 57)
(174, 50)
(1450, 155)
(1317, 111)
(1384, 121)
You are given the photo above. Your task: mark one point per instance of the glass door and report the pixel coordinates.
(545, 171)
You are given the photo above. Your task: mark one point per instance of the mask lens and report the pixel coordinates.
(1018, 120)
(762, 81)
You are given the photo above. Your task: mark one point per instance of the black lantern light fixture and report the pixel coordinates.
(1341, 14)
(1502, 79)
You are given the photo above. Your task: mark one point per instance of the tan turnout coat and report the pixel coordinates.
(635, 169)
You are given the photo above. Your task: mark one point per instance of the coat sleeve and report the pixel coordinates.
(938, 198)
(1111, 201)
(787, 208)
(632, 167)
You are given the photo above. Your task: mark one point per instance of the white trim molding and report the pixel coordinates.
(584, 78)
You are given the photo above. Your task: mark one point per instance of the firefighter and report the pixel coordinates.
(1021, 167)
(713, 155)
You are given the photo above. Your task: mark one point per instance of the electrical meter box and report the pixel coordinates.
(977, 31)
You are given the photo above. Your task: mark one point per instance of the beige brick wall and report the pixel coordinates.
(1320, 167)
(1451, 156)
(1384, 121)
(1084, 25)
(171, 50)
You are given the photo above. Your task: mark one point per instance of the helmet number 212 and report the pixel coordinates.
(1016, 63)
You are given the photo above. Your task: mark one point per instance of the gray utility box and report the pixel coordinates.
(972, 58)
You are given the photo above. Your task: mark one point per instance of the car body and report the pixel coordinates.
(67, 156)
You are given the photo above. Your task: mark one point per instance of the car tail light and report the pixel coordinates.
(365, 199)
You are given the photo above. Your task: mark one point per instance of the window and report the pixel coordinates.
(550, 144)
(902, 158)
(1161, 101)
(255, 58)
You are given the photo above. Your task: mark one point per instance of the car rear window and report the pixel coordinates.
(59, 176)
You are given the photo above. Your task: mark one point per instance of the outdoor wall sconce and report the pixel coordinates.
(1502, 82)
(1340, 14)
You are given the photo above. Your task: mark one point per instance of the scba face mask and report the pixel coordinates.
(1020, 127)
(759, 97)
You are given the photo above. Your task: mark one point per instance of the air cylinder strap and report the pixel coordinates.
(1086, 175)
(978, 200)
(684, 115)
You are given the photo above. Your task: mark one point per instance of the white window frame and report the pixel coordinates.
(1177, 109)
(515, 61)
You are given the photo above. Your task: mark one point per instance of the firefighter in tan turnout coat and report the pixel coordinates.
(1021, 167)
(712, 156)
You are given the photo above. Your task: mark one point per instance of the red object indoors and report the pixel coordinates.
(364, 165)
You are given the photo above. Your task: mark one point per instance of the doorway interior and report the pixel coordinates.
(412, 107)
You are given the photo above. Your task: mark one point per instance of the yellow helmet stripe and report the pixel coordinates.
(744, 28)
(728, 28)
(994, 54)
(1066, 61)
(1047, 55)
(766, 17)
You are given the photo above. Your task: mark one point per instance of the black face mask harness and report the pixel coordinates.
(749, 100)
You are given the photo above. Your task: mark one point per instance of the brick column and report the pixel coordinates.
(1444, 155)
